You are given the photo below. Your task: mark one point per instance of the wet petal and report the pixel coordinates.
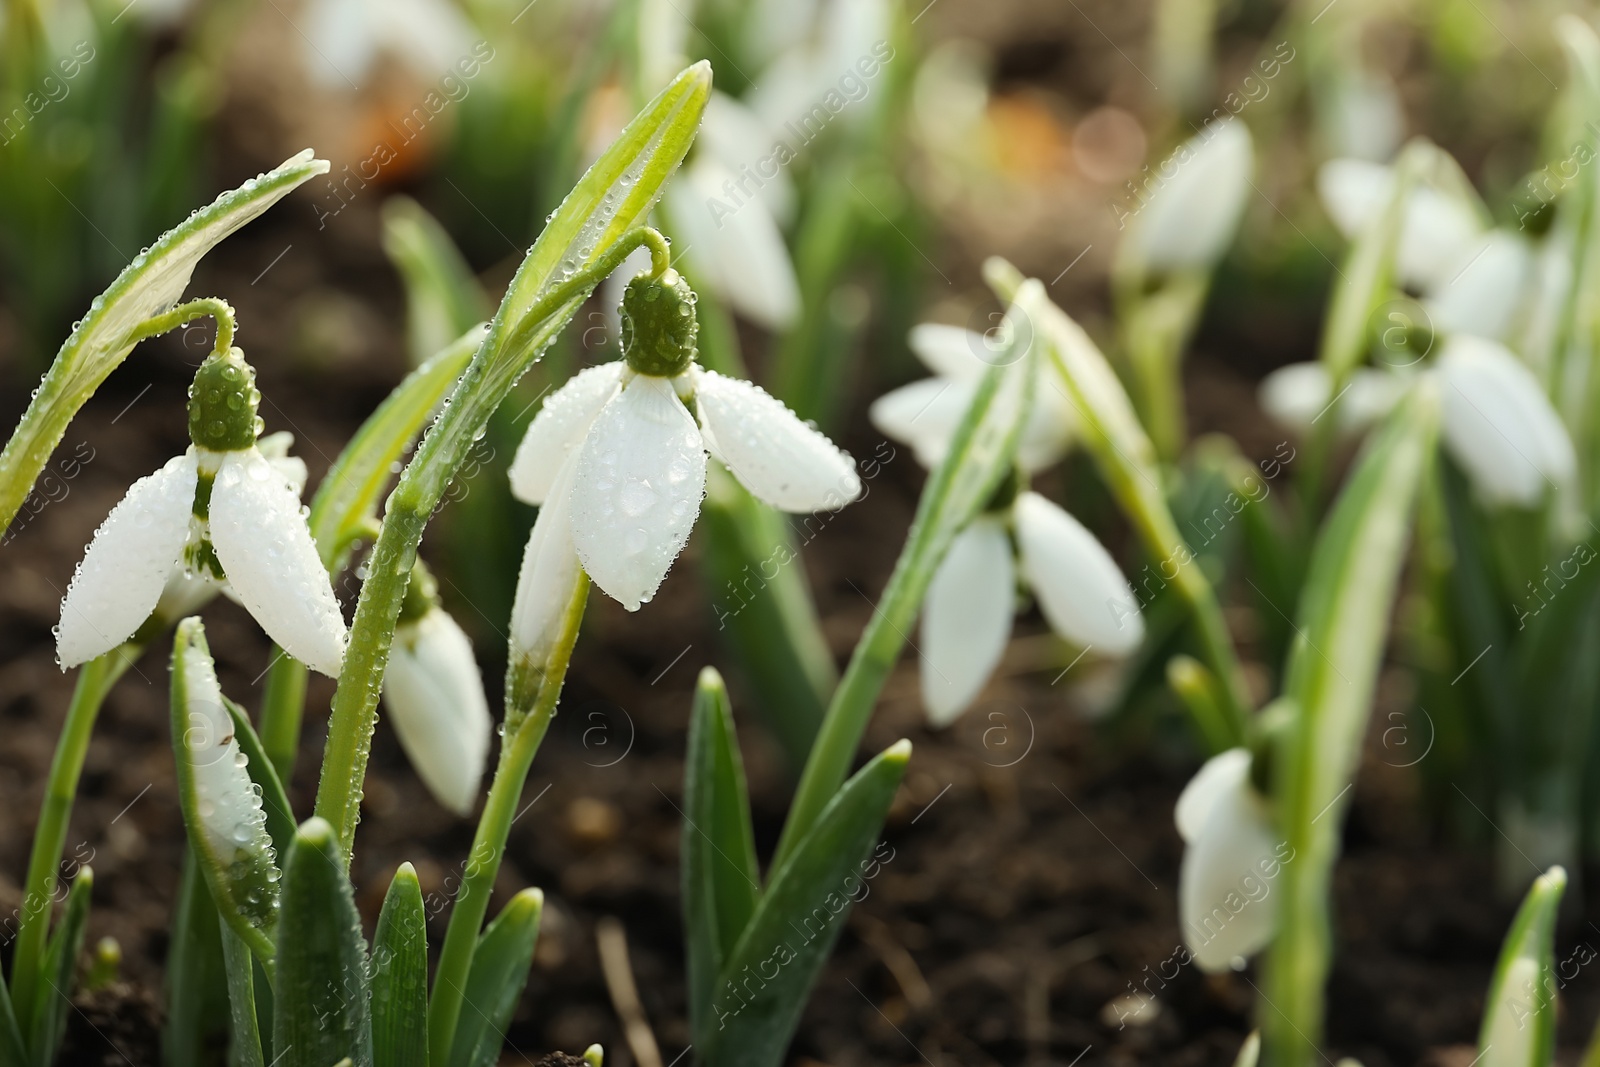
(271, 562)
(966, 619)
(640, 476)
(128, 563)
(1500, 426)
(434, 693)
(549, 569)
(780, 459)
(559, 427)
(1080, 588)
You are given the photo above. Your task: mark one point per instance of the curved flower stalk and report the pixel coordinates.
(637, 454)
(1498, 424)
(221, 509)
(434, 694)
(1231, 858)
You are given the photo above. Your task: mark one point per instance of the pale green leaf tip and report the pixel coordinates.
(1552, 881)
(899, 752)
(307, 155)
(529, 903)
(317, 833)
(406, 873)
(85, 878)
(710, 681)
(594, 1056)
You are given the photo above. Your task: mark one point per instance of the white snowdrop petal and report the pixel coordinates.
(434, 693)
(743, 143)
(1052, 423)
(638, 484)
(1227, 901)
(1081, 591)
(1500, 426)
(127, 565)
(1218, 775)
(549, 569)
(1487, 291)
(1296, 396)
(1435, 235)
(966, 619)
(948, 351)
(431, 35)
(559, 427)
(345, 45)
(780, 459)
(735, 244)
(1190, 218)
(924, 415)
(271, 562)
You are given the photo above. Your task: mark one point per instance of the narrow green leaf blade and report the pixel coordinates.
(13, 1051)
(400, 975)
(768, 976)
(1343, 625)
(59, 972)
(443, 299)
(499, 973)
(196, 979)
(1519, 1018)
(240, 967)
(149, 285)
(223, 814)
(721, 880)
(321, 995)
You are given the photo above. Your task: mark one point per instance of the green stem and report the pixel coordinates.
(184, 314)
(494, 827)
(283, 705)
(95, 680)
(494, 370)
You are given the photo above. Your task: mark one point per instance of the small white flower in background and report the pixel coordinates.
(1297, 395)
(638, 455)
(1436, 234)
(810, 50)
(221, 509)
(1194, 211)
(434, 694)
(925, 413)
(1226, 900)
(966, 617)
(1500, 426)
(345, 37)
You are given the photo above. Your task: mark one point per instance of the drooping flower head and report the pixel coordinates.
(618, 456)
(221, 510)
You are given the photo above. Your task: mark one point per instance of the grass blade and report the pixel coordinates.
(499, 973)
(1519, 1018)
(240, 968)
(60, 972)
(400, 976)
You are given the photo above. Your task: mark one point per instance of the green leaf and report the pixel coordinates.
(400, 976)
(443, 298)
(499, 973)
(196, 1001)
(1342, 632)
(240, 967)
(13, 1052)
(1519, 1018)
(321, 987)
(768, 976)
(347, 500)
(274, 800)
(222, 812)
(149, 285)
(59, 972)
(721, 880)
(765, 612)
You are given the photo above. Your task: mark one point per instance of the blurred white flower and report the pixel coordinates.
(966, 616)
(638, 455)
(1298, 394)
(434, 694)
(1226, 899)
(245, 527)
(345, 37)
(1484, 296)
(925, 414)
(1438, 232)
(1196, 199)
(1500, 426)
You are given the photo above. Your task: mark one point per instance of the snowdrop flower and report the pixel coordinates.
(434, 693)
(1500, 426)
(636, 433)
(1231, 856)
(345, 37)
(222, 510)
(925, 413)
(1297, 395)
(966, 616)
(1438, 232)
(1196, 199)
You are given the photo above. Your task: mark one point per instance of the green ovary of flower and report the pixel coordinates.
(222, 404)
(659, 326)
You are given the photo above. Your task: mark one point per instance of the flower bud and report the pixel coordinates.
(659, 326)
(222, 404)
